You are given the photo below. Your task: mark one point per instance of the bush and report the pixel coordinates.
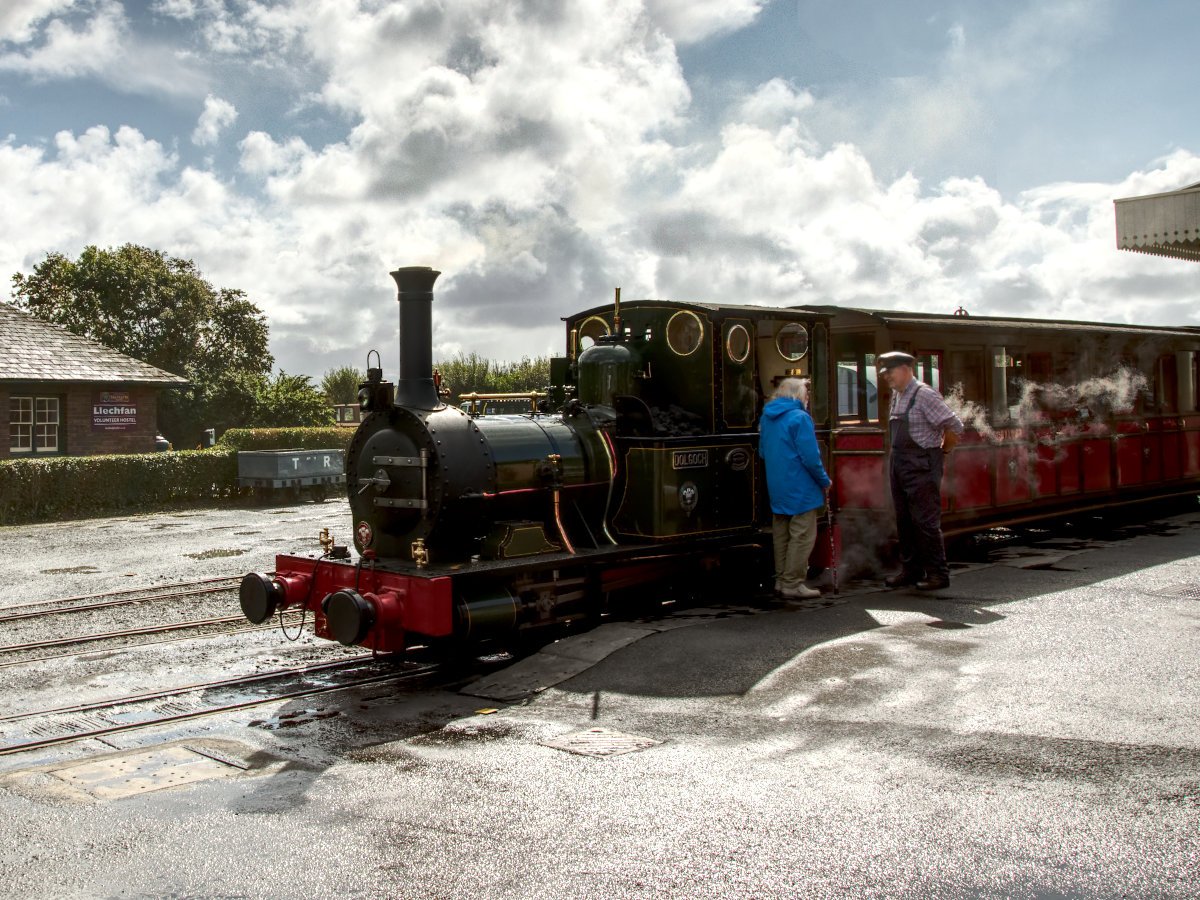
(67, 487)
(286, 438)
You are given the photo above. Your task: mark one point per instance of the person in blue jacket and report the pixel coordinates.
(796, 482)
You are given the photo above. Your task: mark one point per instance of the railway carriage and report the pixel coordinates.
(1061, 417)
(640, 465)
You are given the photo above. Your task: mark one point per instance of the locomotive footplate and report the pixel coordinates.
(389, 606)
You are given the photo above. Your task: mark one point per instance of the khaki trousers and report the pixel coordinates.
(795, 537)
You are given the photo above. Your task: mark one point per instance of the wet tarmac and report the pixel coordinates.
(1029, 732)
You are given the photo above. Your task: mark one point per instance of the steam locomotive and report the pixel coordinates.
(640, 466)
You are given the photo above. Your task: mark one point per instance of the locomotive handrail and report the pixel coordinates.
(532, 396)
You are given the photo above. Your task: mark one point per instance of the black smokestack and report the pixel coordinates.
(415, 386)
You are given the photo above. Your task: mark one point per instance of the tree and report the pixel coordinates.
(340, 385)
(465, 374)
(159, 309)
(290, 401)
(523, 375)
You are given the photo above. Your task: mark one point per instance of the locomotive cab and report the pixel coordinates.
(684, 384)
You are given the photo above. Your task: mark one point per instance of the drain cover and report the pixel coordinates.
(600, 742)
(140, 773)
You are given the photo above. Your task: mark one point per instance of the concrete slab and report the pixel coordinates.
(557, 662)
(1035, 561)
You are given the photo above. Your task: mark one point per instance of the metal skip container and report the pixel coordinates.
(316, 470)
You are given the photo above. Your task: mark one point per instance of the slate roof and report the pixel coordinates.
(33, 350)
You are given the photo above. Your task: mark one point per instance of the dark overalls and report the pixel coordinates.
(916, 477)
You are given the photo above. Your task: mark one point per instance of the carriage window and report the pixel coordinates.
(792, 341)
(1066, 365)
(1016, 383)
(857, 387)
(1039, 367)
(1195, 380)
(737, 343)
(684, 332)
(1185, 370)
(1167, 384)
(593, 327)
(1143, 391)
(1003, 364)
(964, 374)
(929, 368)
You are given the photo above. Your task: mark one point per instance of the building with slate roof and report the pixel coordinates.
(66, 395)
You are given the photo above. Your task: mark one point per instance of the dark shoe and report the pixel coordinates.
(933, 584)
(903, 579)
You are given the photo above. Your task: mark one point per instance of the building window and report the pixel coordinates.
(33, 424)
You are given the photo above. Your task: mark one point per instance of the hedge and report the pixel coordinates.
(286, 438)
(69, 487)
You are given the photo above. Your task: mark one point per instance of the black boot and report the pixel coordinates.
(901, 579)
(933, 583)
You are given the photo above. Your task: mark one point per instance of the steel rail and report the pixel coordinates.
(157, 587)
(199, 713)
(109, 635)
(108, 604)
(174, 640)
(191, 688)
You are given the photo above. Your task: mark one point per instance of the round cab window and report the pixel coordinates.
(737, 343)
(592, 329)
(792, 341)
(684, 332)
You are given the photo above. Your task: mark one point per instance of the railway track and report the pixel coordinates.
(125, 614)
(40, 729)
(108, 600)
(123, 639)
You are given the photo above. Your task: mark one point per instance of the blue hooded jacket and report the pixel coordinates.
(796, 479)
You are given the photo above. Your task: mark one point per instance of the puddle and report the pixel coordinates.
(214, 554)
(293, 719)
(449, 736)
(74, 570)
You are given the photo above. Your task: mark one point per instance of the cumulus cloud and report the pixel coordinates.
(18, 18)
(538, 160)
(47, 41)
(689, 21)
(65, 50)
(218, 114)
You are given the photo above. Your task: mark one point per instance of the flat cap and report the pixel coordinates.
(895, 358)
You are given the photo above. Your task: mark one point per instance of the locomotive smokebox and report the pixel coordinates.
(415, 387)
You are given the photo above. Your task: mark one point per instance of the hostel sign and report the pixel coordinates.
(113, 411)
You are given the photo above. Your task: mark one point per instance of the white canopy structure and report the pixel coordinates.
(1161, 224)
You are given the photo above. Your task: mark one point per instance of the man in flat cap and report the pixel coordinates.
(923, 429)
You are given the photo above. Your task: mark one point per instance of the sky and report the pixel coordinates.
(922, 155)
